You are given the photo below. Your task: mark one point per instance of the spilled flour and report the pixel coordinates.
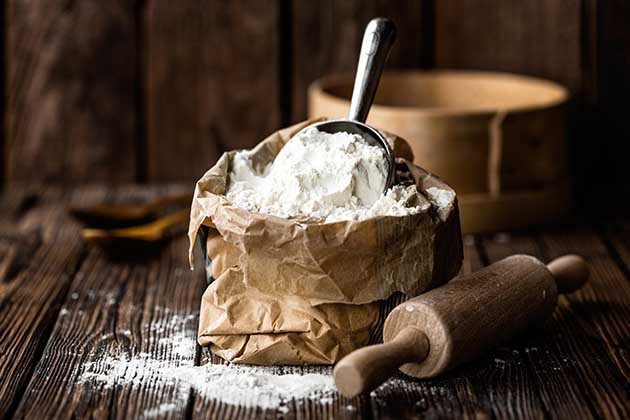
(170, 369)
(320, 175)
(250, 386)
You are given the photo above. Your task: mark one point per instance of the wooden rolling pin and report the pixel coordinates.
(457, 322)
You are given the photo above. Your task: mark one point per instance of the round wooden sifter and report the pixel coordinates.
(455, 323)
(498, 139)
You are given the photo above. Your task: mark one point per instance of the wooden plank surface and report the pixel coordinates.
(538, 38)
(32, 288)
(121, 90)
(618, 235)
(71, 85)
(450, 396)
(212, 82)
(569, 349)
(120, 310)
(92, 329)
(113, 310)
(502, 385)
(543, 359)
(602, 320)
(582, 45)
(326, 37)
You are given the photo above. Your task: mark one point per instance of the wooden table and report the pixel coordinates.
(63, 304)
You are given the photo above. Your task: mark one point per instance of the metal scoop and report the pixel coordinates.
(379, 36)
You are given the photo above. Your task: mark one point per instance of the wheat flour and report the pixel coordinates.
(323, 176)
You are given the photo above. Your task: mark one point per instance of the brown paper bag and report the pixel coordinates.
(301, 291)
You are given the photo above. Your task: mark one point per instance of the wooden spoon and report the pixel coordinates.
(110, 216)
(136, 236)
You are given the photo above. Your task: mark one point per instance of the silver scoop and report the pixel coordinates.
(378, 38)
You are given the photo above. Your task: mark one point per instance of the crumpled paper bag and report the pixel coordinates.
(301, 291)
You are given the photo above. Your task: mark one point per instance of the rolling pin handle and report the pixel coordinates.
(368, 367)
(570, 272)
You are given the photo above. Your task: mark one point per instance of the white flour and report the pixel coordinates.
(319, 175)
(170, 368)
(441, 198)
(251, 386)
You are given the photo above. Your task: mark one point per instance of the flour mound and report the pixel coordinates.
(320, 175)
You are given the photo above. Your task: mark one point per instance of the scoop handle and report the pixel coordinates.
(378, 38)
(368, 367)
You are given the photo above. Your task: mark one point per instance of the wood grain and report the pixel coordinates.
(66, 307)
(604, 314)
(535, 38)
(617, 233)
(71, 83)
(212, 82)
(515, 293)
(119, 309)
(538, 360)
(538, 38)
(473, 260)
(450, 396)
(32, 289)
(569, 349)
(327, 37)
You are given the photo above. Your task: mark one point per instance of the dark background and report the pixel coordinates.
(124, 91)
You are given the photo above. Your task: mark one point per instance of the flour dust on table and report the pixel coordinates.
(241, 385)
